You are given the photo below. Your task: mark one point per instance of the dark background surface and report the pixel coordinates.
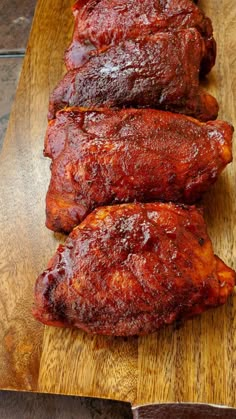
(42, 406)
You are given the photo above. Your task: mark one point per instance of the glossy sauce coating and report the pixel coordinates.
(102, 157)
(131, 269)
(101, 23)
(159, 71)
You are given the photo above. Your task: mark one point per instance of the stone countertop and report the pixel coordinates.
(15, 23)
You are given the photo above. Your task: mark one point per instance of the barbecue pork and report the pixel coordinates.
(130, 269)
(102, 157)
(100, 23)
(160, 71)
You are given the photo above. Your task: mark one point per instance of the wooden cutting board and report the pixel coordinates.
(196, 363)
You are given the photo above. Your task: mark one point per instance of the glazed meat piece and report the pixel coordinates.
(131, 269)
(105, 157)
(202, 106)
(101, 23)
(160, 71)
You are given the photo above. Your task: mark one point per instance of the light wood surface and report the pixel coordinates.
(196, 363)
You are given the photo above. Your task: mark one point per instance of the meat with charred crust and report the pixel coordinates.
(159, 71)
(131, 269)
(101, 23)
(102, 157)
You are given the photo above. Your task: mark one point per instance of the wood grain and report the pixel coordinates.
(195, 363)
(24, 241)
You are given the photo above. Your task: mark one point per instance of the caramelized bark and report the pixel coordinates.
(160, 71)
(104, 157)
(101, 23)
(131, 269)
